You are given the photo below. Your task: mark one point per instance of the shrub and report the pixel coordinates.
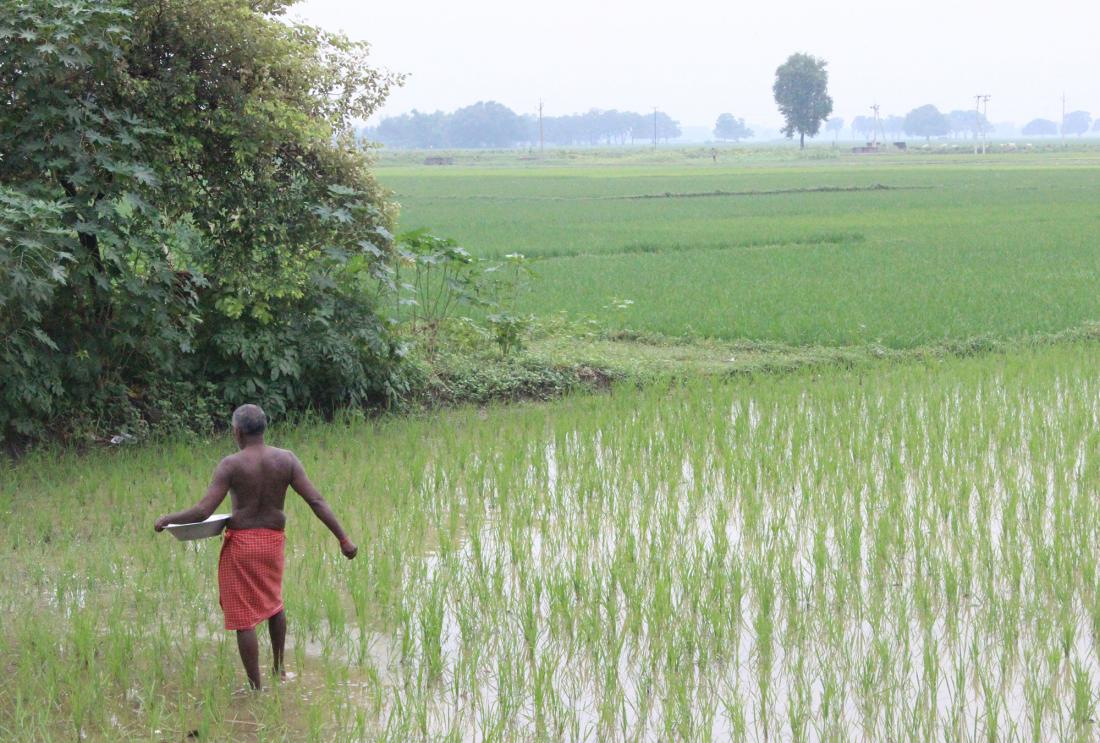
(183, 210)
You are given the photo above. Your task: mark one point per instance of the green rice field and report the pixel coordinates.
(897, 250)
(888, 554)
(896, 549)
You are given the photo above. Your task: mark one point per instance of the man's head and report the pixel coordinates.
(249, 423)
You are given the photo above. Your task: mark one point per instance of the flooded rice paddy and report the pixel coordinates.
(889, 553)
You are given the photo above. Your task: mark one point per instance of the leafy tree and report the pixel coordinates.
(927, 121)
(485, 124)
(863, 125)
(1040, 128)
(801, 92)
(667, 127)
(414, 129)
(835, 124)
(1076, 122)
(894, 126)
(615, 126)
(969, 123)
(1096, 125)
(184, 214)
(728, 127)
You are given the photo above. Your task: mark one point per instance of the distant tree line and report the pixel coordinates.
(488, 124)
(924, 121)
(928, 121)
(1076, 123)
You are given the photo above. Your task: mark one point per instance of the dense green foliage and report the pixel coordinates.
(901, 251)
(185, 219)
(801, 91)
(907, 551)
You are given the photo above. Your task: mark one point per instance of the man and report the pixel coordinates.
(250, 568)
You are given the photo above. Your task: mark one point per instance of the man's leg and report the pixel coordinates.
(250, 656)
(277, 626)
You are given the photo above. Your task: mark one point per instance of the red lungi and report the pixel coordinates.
(250, 576)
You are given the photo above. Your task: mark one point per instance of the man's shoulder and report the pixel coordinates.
(228, 467)
(230, 461)
(281, 455)
(276, 451)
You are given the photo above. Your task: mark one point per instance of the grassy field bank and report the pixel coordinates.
(907, 549)
(824, 250)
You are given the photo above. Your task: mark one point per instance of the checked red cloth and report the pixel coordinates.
(250, 576)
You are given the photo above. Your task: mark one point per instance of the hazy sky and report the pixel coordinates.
(696, 59)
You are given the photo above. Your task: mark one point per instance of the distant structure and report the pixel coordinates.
(1063, 127)
(980, 101)
(541, 147)
(873, 145)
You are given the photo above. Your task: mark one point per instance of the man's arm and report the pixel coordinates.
(303, 487)
(215, 494)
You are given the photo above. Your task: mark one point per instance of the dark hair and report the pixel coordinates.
(250, 420)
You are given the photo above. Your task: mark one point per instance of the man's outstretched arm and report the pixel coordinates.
(303, 487)
(215, 494)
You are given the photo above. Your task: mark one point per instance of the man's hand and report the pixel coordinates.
(160, 523)
(348, 548)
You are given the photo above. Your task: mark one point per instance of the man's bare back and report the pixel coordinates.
(256, 477)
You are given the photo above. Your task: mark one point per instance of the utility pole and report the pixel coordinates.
(878, 126)
(540, 128)
(977, 120)
(980, 101)
(655, 127)
(1063, 127)
(985, 116)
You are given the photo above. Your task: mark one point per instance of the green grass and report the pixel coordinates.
(911, 250)
(906, 550)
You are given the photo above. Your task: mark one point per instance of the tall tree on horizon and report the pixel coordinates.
(801, 92)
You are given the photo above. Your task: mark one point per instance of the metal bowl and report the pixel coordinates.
(212, 527)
